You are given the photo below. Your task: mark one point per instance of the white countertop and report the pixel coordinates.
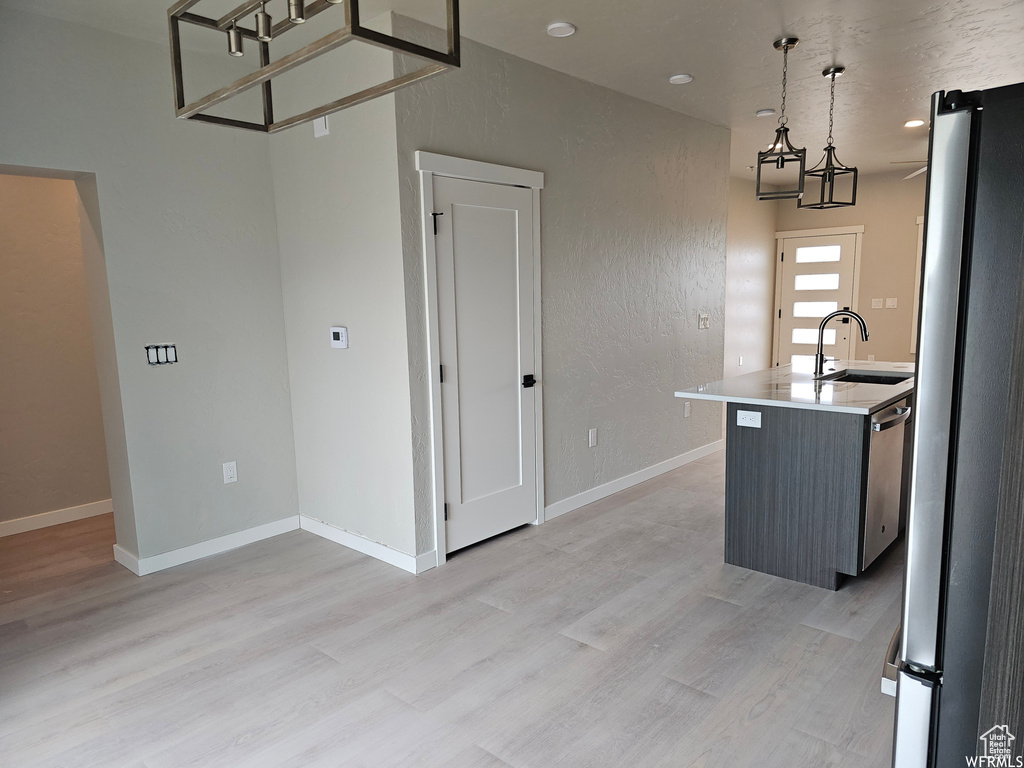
(783, 387)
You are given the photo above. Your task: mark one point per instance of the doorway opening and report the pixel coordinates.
(56, 340)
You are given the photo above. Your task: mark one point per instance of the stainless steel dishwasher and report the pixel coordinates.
(885, 480)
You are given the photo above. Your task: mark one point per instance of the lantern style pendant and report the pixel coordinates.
(780, 168)
(830, 184)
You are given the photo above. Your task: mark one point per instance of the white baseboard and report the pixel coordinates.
(57, 517)
(409, 563)
(596, 494)
(145, 565)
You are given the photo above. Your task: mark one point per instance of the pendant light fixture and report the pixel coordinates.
(784, 163)
(234, 41)
(264, 25)
(834, 183)
(332, 24)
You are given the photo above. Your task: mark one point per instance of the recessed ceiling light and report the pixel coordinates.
(764, 113)
(561, 29)
(913, 123)
(680, 79)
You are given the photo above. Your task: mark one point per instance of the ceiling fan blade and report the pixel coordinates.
(918, 172)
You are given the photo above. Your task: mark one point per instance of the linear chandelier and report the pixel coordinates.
(266, 31)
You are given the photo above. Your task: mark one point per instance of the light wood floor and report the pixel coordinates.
(612, 636)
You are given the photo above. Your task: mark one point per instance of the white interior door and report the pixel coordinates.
(485, 264)
(816, 277)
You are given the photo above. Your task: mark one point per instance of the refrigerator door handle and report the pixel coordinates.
(936, 379)
(915, 705)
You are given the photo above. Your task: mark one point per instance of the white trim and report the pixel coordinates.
(857, 229)
(56, 517)
(473, 170)
(142, 566)
(855, 299)
(433, 363)
(429, 164)
(366, 546)
(537, 360)
(127, 559)
(602, 491)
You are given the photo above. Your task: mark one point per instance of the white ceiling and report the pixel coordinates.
(897, 52)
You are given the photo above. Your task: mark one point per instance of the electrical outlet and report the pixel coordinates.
(748, 419)
(703, 321)
(890, 303)
(230, 472)
(871, 358)
(876, 303)
(592, 437)
(686, 409)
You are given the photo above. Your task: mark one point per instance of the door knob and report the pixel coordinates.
(528, 381)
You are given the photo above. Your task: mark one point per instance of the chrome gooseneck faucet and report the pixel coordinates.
(819, 359)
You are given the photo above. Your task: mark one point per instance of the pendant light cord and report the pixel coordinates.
(785, 75)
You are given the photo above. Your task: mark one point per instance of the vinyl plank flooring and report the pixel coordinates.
(613, 635)
(852, 712)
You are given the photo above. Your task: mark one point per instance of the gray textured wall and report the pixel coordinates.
(633, 240)
(52, 452)
(750, 279)
(341, 264)
(191, 257)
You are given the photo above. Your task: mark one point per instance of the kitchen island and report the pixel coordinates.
(814, 467)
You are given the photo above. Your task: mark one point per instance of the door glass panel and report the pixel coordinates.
(810, 336)
(817, 282)
(812, 254)
(814, 308)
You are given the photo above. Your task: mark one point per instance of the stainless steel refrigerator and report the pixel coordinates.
(960, 686)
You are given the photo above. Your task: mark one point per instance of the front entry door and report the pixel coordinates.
(485, 264)
(816, 277)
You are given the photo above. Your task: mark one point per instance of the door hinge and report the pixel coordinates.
(441, 367)
(435, 215)
(446, 510)
(780, 314)
(783, 257)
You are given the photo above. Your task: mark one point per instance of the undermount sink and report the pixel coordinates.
(869, 377)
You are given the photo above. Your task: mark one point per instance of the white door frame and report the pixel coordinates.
(429, 165)
(857, 230)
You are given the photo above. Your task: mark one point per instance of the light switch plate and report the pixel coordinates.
(321, 127)
(339, 337)
(592, 437)
(748, 419)
(703, 321)
(876, 303)
(890, 303)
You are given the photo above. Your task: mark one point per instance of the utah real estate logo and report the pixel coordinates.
(997, 750)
